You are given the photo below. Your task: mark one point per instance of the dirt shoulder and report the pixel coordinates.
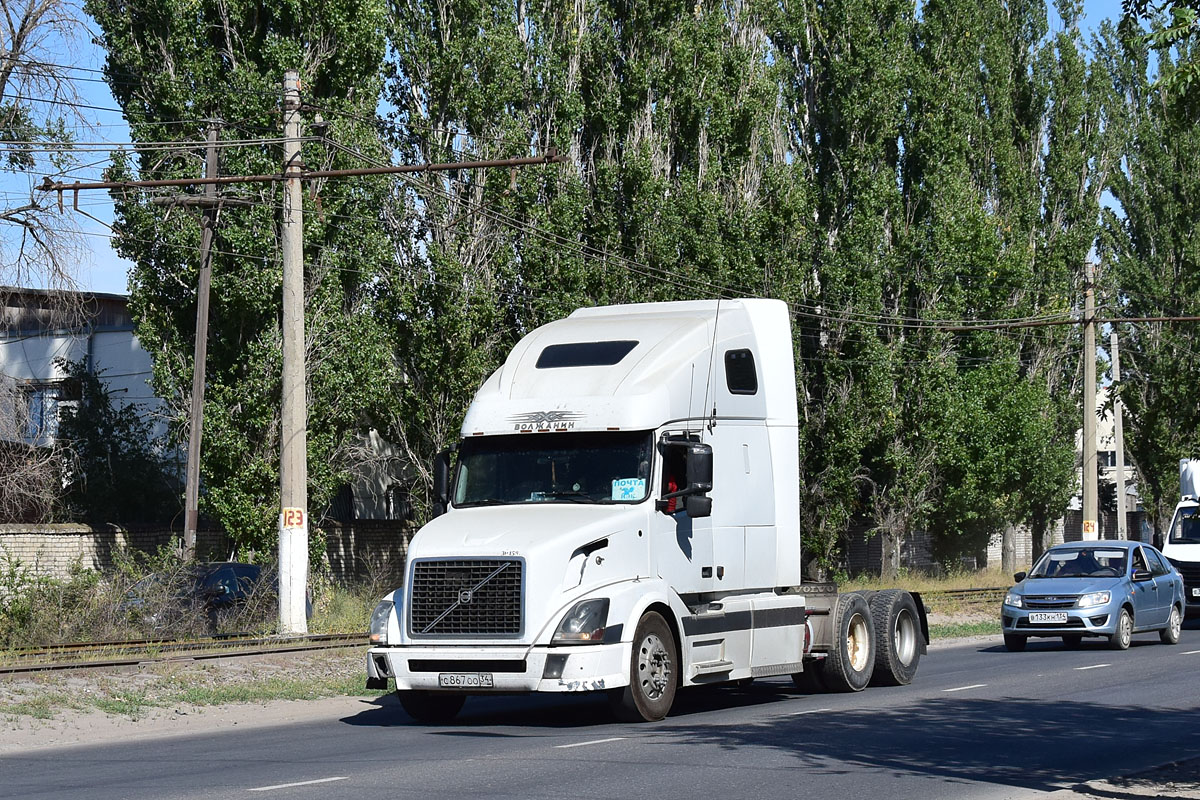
(177, 697)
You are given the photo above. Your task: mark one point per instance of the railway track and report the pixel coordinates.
(975, 595)
(99, 655)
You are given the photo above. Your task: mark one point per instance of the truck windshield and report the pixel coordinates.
(609, 467)
(1185, 528)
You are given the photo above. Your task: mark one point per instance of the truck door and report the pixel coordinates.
(682, 545)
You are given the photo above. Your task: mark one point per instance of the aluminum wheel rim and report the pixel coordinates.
(654, 667)
(1176, 622)
(1125, 628)
(905, 637)
(858, 646)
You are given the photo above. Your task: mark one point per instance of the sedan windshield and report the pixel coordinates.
(1185, 528)
(610, 467)
(1082, 562)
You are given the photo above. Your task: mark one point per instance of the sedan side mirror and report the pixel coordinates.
(1141, 575)
(1019, 576)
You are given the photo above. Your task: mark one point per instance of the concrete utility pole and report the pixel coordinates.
(293, 461)
(1090, 529)
(208, 224)
(1118, 435)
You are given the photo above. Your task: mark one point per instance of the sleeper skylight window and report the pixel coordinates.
(584, 354)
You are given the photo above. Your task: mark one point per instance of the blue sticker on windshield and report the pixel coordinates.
(628, 489)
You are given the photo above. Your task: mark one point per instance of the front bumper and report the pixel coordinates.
(1094, 621)
(581, 668)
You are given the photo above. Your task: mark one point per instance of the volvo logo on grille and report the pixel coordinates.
(464, 597)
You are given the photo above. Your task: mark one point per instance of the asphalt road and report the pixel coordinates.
(978, 722)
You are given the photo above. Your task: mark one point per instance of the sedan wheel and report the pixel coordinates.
(1124, 633)
(1170, 634)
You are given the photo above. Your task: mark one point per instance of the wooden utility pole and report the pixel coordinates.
(208, 225)
(1090, 529)
(1118, 435)
(293, 462)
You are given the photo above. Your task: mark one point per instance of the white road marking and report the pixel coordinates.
(298, 783)
(1093, 666)
(810, 711)
(964, 688)
(1190, 653)
(585, 744)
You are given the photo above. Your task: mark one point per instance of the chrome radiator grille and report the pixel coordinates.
(466, 597)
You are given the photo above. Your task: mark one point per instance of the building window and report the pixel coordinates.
(1106, 458)
(42, 422)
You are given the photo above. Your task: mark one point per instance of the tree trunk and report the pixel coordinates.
(1039, 532)
(889, 568)
(1008, 549)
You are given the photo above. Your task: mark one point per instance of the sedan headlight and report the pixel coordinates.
(377, 632)
(1013, 600)
(1094, 599)
(584, 623)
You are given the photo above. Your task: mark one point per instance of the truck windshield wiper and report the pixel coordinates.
(573, 496)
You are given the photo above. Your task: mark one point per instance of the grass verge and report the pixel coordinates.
(952, 630)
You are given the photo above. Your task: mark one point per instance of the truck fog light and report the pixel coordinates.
(554, 666)
(584, 623)
(377, 631)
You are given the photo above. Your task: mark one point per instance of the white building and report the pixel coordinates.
(39, 330)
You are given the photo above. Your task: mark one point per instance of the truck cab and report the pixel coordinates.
(1181, 545)
(621, 516)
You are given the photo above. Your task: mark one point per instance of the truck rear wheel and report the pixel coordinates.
(430, 706)
(897, 638)
(851, 659)
(653, 673)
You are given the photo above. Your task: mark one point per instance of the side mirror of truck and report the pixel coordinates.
(698, 506)
(441, 482)
(699, 467)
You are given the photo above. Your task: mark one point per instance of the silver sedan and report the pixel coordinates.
(1112, 589)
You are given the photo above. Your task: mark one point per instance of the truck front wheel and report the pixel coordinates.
(430, 707)
(653, 673)
(851, 659)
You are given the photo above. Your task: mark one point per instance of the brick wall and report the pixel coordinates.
(359, 551)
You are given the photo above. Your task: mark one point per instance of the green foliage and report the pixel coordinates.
(172, 64)
(883, 166)
(1154, 252)
(117, 472)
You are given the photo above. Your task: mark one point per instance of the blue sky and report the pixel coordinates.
(103, 270)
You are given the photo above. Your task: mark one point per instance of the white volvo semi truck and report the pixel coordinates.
(621, 515)
(1181, 545)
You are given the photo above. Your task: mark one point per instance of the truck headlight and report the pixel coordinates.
(1013, 600)
(1094, 599)
(377, 632)
(584, 623)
